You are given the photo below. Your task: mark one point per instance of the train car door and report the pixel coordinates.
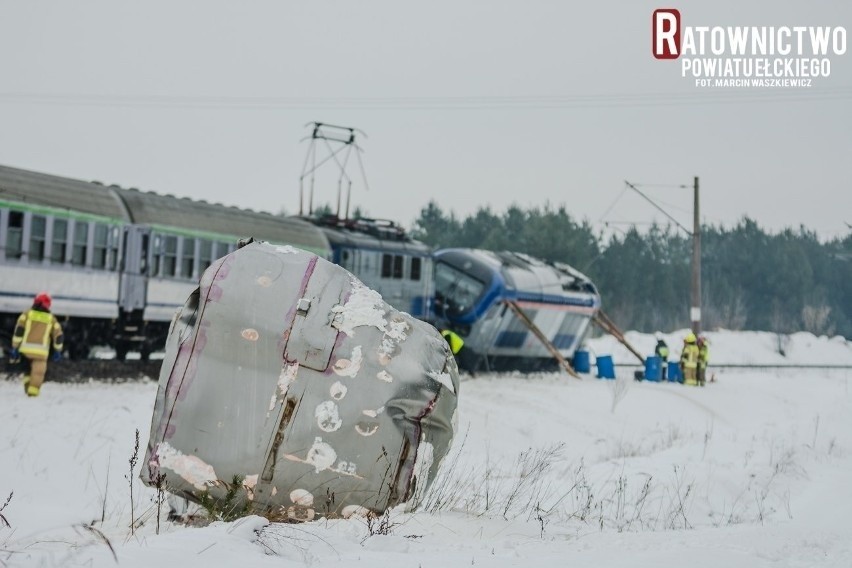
(134, 268)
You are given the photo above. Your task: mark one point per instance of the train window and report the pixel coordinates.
(347, 260)
(387, 264)
(455, 291)
(415, 268)
(155, 256)
(205, 255)
(81, 243)
(59, 242)
(221, 249)
(143, 263)
(187, 259)
(397, 266)
(15, 235)
(99, 256)
(169, 256)
(38, 230)
(114, 241)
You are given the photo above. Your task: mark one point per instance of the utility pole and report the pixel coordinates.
(695, 309)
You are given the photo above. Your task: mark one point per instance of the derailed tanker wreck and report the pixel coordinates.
(288, 381)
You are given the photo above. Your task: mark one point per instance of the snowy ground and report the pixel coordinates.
(753, 470)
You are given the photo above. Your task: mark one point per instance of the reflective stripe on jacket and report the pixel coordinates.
(703, 356)
(456, 342)
(34, 331)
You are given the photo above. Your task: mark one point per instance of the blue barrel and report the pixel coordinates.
(674, 372)
(653, 368)
(581, 362)
(606, 368)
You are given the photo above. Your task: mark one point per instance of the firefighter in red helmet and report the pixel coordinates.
(35, 330)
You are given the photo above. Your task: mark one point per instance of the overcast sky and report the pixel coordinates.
(467, 103)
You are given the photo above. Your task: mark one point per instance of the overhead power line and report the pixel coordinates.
(508, 102)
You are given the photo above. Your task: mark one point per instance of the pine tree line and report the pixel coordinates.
(751, 279)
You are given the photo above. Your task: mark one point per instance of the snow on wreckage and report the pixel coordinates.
(287, 380)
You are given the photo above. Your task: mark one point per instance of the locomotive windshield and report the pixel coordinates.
(455, 291)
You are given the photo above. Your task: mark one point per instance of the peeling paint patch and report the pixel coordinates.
(300, 514)
(384, 376)
(321, 455)
(443, 378)
(349, 468)
(250, 334)
(373, 413)
(363, 308)
(249, 483)
(191, 468)
(328, 418)
(395, 333)
(302, 497)
(287, 377)
(338, 390)
(264, 281)
(355, 511)
(350, 367)
(366, 428)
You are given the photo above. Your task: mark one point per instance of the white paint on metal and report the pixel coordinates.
(350, 367)
(328, 418)
(321, 455)
(364, 307)
(355, 511)
(192, 469)
(338, 390)
(302, 497)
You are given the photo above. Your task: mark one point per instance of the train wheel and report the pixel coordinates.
(121, 349)
(78, 352)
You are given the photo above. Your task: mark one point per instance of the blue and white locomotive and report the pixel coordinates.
(472, 291)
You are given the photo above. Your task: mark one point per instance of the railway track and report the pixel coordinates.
(66, 371)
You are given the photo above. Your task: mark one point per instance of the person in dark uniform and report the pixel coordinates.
(662, 351)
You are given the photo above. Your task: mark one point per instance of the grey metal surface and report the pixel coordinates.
(150, 208)
(288, 380)
(53, 191)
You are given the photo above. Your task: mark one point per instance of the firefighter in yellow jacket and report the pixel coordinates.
(34, 331)
(689, 360)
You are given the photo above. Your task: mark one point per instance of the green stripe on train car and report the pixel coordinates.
(57, 212)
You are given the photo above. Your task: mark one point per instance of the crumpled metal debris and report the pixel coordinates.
(290, 389)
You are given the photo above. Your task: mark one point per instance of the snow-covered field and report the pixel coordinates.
(753, 470)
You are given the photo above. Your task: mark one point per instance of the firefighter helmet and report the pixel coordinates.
(42, 299)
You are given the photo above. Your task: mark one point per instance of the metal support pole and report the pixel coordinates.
(695, 309)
